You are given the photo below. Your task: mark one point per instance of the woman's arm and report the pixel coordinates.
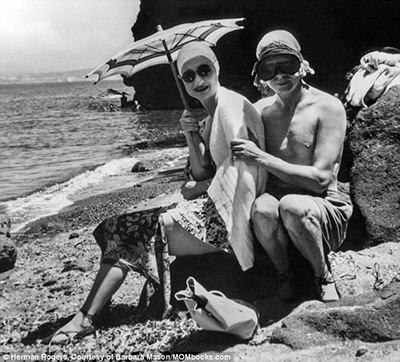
(200, 162)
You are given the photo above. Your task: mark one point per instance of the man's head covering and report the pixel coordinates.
(281, 42)
(278, 42)
(193, 50)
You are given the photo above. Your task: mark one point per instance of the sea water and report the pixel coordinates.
(61, 141)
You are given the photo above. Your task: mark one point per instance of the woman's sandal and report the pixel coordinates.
(72, 336)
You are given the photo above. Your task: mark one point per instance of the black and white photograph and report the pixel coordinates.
(200, 180)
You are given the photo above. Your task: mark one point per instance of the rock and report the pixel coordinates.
(155, 88)
(8, 249)
(8, 254)
(374, 182)
(74, 235)
(356, 272)
(257, 283)
(361, 351)
(50, 282)
(139, 167)
(73, 265)
(371, 317)
(364, 312)
(231, 280)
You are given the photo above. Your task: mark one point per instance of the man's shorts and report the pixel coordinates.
(336, 209)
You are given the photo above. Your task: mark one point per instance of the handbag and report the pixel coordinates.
(213, 311)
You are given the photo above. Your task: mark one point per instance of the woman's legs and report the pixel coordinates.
(181, 242)
(110, 277)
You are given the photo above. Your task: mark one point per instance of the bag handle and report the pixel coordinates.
(218, 293)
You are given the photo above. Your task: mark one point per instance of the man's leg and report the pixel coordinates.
(301, 217)
(274, 239)
(269, 230)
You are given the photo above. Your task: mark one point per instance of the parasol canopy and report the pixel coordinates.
(163, 46)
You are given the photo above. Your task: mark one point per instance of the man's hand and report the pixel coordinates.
(189, 123)
(246, 151)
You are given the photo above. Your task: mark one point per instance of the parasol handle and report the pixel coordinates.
(175, 73)
(204, 162)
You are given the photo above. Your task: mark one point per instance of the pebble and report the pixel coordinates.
(361, 351)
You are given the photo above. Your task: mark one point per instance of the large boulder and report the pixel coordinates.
(371, 317)
(333, 35)
(369, 310)
(374, 141)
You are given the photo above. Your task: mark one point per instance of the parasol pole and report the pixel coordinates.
(204, 161)
(174, 72)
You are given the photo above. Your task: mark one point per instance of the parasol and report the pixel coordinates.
(162, 47)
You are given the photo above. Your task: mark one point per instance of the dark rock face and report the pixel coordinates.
(374, 140)
(333, 35)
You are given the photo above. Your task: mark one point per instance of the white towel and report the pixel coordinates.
(378, 73)
(236, 185)
(360, 84)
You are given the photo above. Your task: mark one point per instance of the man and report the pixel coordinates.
(304, 133)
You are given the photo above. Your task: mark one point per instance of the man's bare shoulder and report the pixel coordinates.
(330, 107)
(325, 100)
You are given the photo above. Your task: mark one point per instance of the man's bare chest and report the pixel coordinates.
(292, 139)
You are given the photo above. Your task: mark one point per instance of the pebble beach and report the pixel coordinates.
(57, 262)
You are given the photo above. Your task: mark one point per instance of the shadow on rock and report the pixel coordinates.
(44, 330)
(370, 317)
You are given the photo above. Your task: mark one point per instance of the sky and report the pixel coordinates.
(62, 35)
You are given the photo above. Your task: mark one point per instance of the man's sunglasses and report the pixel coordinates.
(203, 71)
(269, 68)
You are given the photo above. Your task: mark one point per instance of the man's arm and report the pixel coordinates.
(328, 147)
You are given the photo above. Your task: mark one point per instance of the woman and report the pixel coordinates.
(143, 241)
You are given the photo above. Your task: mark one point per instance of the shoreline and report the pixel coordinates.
(58, 198)
(90, 211)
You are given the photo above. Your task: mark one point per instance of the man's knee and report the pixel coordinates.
(265, 210)
(298, 208)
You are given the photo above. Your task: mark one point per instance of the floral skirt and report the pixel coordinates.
(200, 218)
(127, 238)
(137, 240)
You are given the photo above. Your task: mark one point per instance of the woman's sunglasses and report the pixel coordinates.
(269, 68)
(203, 71)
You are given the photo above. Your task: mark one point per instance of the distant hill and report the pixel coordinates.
(53, 77)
